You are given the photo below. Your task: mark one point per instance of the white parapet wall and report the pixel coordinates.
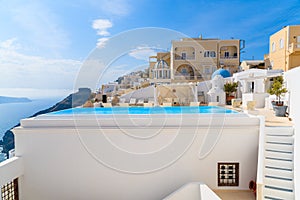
(259, 99)
(193, 191)
(132, 156)
(11, 169)
(292, 82)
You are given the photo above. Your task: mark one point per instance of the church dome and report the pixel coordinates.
(161, 64)
(222, 72)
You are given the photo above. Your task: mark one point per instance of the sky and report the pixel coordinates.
(45, 44)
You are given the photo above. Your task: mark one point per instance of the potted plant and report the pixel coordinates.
(278, 90)
(230, 88)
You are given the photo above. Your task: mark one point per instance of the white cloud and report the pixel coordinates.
(142, 53)
(10, 44)
(25, 71)
(101, 42)
(101, 25)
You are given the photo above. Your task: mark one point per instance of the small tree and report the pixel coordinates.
(277, 88)
(230, 88)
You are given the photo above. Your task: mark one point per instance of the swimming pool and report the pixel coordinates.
(146, 110)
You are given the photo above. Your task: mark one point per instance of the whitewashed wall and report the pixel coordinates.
(292, 81)
(143, 93)
(61, 156)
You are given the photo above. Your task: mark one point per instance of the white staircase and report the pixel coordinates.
(278, 163)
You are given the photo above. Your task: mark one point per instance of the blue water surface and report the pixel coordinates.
(146, 110)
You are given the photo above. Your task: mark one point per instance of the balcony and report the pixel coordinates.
(187, 77)
(184, 58)
(228, 57)
(294, 47)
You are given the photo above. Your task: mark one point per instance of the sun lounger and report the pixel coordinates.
(236, 103)
(122, 100)
(97, 104)
(106, 105)
(132, 102)
(123, 104)
(148, 104)
(167, 104)
(194, 103)
(251, 105)
(213, 103)
(140, 102)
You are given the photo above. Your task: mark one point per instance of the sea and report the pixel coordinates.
(12, 113)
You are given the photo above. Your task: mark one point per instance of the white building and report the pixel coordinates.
(110, 165)
(254, 84)
(161, 72)
(216, 93)
(252, 64)
(109, 87)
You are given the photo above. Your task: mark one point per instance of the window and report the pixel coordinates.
(226, 54)
(183, 56)
(184, 71)
(252, 87)
(228, 174)
(281, 43)
(272, 64)
(10, 190)
(207, 70)
(214, 69)
(273, 46)
(210, 54)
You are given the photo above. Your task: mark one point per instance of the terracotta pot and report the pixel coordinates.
(228, 99)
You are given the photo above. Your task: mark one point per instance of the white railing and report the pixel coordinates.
(187, 77)
(294, 47)
(11, 169)
(278, 174)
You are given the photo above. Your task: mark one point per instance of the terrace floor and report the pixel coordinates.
(235, 194)
(270, 118)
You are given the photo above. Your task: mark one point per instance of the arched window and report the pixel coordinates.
(273, 46)
(281, 43)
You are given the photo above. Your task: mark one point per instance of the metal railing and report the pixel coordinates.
(228, 57)
(186, 77)
(185, 58)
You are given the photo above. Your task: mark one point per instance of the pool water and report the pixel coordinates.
(146, 110)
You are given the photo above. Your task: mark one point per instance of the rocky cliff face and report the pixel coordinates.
(71, 101)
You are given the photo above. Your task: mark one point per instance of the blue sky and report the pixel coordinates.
(44, 43)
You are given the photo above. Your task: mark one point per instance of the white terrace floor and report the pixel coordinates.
(270, 118)
(235, 194)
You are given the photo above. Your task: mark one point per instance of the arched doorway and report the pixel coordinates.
(185, 72)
